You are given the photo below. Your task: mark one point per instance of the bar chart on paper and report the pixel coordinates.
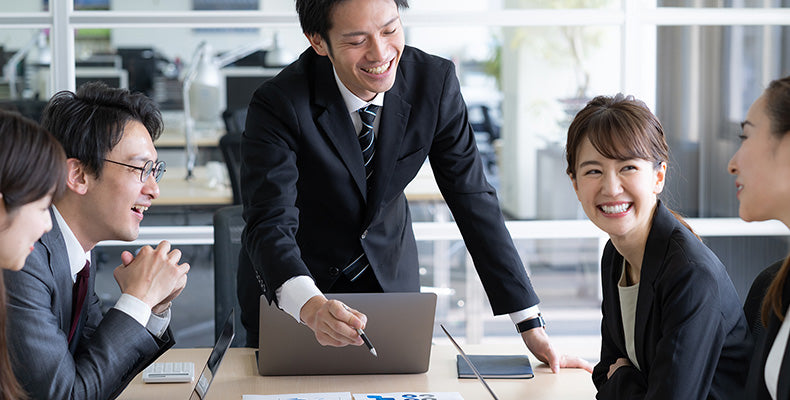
(359, 396)
(300, 396)
(410, 396)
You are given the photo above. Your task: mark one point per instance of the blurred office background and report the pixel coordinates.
(525, 66)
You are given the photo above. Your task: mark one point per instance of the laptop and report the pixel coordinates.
(400, 326)
(214, 359)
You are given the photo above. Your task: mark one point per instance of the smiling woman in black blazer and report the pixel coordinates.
(762, 169)
(672, 324)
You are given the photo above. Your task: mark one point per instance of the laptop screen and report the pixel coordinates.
(214, 359)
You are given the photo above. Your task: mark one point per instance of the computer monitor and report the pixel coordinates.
(113, 77)
(241, 83)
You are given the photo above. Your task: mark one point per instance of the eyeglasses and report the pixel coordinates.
(158, 168)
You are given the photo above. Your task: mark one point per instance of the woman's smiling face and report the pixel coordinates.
(619, 196)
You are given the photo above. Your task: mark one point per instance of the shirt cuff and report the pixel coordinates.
(158, 323)
(134, 308)
(524, 314)
(294, 293)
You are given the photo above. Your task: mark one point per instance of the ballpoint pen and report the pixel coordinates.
(364, 337)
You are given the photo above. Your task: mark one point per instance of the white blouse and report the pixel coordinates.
(774, 361)
(628, 297)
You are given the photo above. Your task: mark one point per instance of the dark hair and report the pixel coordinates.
(620, 128)
(777, 107)
(32, 162)
(91, 122)
(314, 15)
(32, 165)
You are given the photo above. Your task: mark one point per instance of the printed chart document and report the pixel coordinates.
(358, 396)
(300, 396)
(409, 396)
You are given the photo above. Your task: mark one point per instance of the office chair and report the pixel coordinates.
(754, 300)
(230, 146)
(228, 225)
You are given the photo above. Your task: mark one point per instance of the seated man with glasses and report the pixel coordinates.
(61, 344)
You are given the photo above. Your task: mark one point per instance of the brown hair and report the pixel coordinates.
(620, 128)
(777, 107)
(32, 165)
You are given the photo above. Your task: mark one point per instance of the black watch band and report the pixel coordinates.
(531, 323)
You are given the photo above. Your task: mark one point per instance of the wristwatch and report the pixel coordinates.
(531, 323)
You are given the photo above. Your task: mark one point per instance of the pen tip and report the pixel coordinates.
(373, 351)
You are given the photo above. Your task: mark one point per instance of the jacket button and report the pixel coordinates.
(334, 271)
(364, 235)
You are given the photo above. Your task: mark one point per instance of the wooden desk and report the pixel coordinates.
(174, 190)
(238, 375)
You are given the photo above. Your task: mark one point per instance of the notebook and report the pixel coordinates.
(495, 366)
(400, 326)
(214, 359)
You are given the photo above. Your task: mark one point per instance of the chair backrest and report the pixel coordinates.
(754, 300)
(230, 145)
(228, 225)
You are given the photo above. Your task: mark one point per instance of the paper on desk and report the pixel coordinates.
(300, 396)
(409, 396)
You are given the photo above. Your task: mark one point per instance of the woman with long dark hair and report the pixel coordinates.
(672, 327)
(32, 172)
(762, 169)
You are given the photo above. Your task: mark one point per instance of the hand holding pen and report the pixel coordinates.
(364, 337)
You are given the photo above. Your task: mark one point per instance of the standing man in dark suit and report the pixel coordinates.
(61, 345)
(330, 145)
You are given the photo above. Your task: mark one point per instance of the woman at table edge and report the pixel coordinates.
(32, 172)
(762, 169)
(673, 326)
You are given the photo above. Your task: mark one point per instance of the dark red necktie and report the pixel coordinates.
(79, 293)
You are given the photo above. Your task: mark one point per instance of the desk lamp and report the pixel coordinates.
(43, 56)
(203, 90)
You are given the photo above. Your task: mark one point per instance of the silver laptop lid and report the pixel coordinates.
(214, 359)
(400, 325)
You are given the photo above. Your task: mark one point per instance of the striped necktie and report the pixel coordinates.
(367, 138)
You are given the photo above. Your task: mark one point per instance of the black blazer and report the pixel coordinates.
(306, 205)
(691, 337)
(755, 383)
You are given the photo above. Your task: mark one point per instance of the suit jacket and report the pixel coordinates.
(691, 337)
(106, 351)
(306, 204)
(755, 383)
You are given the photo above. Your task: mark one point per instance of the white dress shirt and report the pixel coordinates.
(132, 306)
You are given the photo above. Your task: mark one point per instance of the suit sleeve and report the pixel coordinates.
(270, 173)
(689, 348)
(108, 356)
(458, 170)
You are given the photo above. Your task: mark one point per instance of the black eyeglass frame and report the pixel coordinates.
(158, 168)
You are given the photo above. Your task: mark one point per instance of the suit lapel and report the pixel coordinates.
(57, 256)
(783, 389)
(392, 130)
(615, 263)
(655, 248)
(335, 122)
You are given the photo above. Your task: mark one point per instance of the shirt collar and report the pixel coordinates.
(76, 255)
(354, 103)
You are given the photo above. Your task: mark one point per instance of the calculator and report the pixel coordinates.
(166, 372)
